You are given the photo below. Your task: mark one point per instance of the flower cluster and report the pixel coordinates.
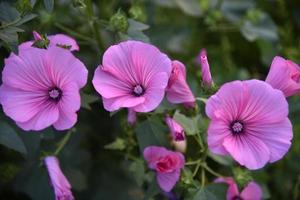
(248, 119)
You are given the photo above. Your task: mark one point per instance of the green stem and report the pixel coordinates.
(196, 169)
(193, 162)
(211, 171)
(94, 25)
(202, 177)
(64, 141)
(73, 33)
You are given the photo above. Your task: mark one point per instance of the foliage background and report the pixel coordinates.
(241, 37)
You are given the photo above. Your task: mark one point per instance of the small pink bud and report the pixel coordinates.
(36, 36)
(205, 69)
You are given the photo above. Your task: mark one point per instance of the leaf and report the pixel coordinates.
(190, 7)
(151, 132)
(8, 13)
(233, 10)
(9, 36)
(135, 31)
(118, 144)
(49, 4)
(211, 192)
(223, 160)
(138, 170)
(25, 19)
(152, 190)
(77, 179)
(87, 99)
(10, 139)
(190, 125)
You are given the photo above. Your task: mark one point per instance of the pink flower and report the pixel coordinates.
(133, 75)
(178, 90)
(177, 133)
(131, 117)
(252, 191)
(55, 40)
(167, 165)
(41, 88)
(59, 182)
(249, 121)
(285, 76)
(205, 69)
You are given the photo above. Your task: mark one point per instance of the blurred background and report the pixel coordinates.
(241, 38)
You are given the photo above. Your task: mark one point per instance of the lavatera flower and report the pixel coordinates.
(40, 88)
(59, 182)
(133, 75)
(249, 121)
(285, 76)
(178, 91)
(167, 165)
(252, 191)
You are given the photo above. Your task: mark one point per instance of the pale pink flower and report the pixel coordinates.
(177, 134)
(285, 76)
(167, 165)
(131, 117)
(178, 91)
(249, 121)
(60, 40)
(40, 88)
(252, 191)
(133, 75)
(205, 69)
(59, 182)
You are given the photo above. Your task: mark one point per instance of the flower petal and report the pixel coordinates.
(252, 192)
(247, 150)
(153, 153)
(126, 101)
(167, 181)
(64, 40)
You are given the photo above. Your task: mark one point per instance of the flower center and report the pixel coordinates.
(138, 90)
(55, 93)
(179, 136)
(237, 127)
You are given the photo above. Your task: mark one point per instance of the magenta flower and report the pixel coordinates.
(249, 121)
(167, 165)
(59, 182)
(252, 191)
(131, 117)
(54, 40)
(41, 88)
(205, 69)
(177, 133)
(178, 90)
(285, 76)
(133, 75)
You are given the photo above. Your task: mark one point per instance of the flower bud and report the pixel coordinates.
(118, 22)
(205, 69)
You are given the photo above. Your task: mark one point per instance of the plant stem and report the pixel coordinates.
(211, 171)
(193, 162)
(202, 177)
(73, 33)
(94, 25)
(64, 141)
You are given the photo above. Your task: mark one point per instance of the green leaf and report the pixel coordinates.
(118, 144)
(87, 99)
(138, 170)
(135, 31)
(152, 190)
(25, 19)
(211, 192)
(77, 179)
(10, 139)
(190, 7)
(8, 13)
(190, 125)
(151, 132)
(223, 160)
(49, 4)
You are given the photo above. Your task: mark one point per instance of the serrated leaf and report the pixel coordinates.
(118, 144)
(49, 5)
(135, 31)
(10, 139)
(211, 192)
(25, 19)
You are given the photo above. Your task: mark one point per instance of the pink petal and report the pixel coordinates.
(20, 105)
(205, 69)
(265, 105)
(247, 150)
(68, 105)
(217, 132)
(167, 181)
(127, 101)
(109, 86)
(284, 75)
(47, 115)
(131, 117)
(61, 39)
(232, 190)
(252, 192)
(63, 67)
(153, 153)
(276, 136)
